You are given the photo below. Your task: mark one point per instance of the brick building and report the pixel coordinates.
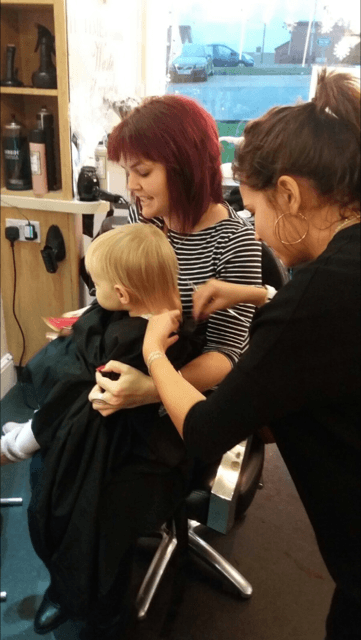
(292, 51)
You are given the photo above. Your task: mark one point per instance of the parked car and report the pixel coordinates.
(194, 63)
(224, 56)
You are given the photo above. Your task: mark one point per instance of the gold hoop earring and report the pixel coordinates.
(276, 230)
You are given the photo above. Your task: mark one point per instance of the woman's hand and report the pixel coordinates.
(216, 295)
(132, 389)
(158, 334)
(211, 297)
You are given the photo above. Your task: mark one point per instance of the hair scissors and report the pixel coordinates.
(196, 287)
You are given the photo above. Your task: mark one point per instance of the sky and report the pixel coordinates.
(237, 23)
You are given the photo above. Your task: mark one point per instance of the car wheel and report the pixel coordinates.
(241, 63)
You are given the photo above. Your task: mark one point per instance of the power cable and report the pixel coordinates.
(12, 234)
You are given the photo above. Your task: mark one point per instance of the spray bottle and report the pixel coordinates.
(45, 76)
(101, 164)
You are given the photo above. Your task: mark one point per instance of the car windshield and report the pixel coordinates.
(194, 51)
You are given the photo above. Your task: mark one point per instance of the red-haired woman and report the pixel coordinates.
(170, 150)
(299, 170)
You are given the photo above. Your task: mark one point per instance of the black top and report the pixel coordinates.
(301, 376)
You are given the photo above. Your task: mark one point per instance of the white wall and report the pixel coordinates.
(8, 374)
(117, 51)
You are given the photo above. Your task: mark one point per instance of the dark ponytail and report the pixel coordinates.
(339, 94)
(317, 140)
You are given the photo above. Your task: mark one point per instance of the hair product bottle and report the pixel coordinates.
(45, 121)
(16, 157)
(101, 164)
(37, 140)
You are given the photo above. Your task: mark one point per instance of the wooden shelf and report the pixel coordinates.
(53, 201)
(18, 26)
(27, 3)
(28, 91)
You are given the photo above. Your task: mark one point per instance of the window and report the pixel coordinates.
(262, 53)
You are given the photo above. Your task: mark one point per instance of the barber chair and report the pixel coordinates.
(221, 493)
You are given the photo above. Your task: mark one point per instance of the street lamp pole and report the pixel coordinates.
(264, 35)
(313, 13)
(313, 29)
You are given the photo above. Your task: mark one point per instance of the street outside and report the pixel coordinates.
(244, 97)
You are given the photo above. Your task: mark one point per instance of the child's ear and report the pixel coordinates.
(122, 294)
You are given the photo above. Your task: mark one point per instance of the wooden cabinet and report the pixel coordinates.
(18, 27)
(38, 293)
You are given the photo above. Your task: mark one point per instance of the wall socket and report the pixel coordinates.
(21, 224)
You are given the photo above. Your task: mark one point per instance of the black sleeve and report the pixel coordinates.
(298, 360)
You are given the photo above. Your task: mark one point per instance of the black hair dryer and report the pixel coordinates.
(11, 78)
(88, 184)
(89, 190)
(54, 250)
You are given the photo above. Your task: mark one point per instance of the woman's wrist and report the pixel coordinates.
(264, 294)
(154, 355)
(150, 393)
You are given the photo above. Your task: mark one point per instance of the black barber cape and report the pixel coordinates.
(82, 447)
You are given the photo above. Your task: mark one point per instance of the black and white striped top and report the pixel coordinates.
(227, 251)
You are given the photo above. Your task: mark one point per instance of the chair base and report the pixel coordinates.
(203, 550)
(216, 561)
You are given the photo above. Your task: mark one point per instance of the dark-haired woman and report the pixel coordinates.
(299, 170)
(169, 147)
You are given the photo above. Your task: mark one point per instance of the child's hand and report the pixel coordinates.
(4, 460)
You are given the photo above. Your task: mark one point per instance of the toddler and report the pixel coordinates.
(134, 270)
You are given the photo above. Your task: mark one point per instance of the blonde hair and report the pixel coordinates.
(139, 257)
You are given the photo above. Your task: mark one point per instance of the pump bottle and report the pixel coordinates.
(37, 140)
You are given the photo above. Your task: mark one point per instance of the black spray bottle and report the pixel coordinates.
(45, 76)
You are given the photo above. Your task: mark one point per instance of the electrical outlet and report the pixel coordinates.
(21, 224)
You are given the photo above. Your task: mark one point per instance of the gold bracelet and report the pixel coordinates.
(153, 356)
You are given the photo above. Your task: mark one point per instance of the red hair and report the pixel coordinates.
(182, 136)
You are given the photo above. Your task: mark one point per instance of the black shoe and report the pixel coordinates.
(49, 616)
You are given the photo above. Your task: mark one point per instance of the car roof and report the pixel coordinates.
(220, 44)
